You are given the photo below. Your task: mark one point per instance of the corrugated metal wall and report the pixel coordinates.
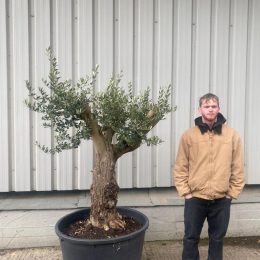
(198, 46)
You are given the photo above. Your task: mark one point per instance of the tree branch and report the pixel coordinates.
(97, 137)
(108, 134)
(121, 149)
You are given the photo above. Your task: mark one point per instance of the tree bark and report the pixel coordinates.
(104, 192)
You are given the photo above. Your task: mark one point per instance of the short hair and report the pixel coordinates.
(208, 97)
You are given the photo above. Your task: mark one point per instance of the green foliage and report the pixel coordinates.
(61, 106)
(65, 108)
(140, 115)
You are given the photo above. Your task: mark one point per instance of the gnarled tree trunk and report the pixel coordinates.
(104, 192)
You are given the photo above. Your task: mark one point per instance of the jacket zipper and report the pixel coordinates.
(210, 162)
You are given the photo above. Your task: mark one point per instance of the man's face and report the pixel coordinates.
(209, 110)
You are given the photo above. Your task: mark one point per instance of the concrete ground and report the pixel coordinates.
(239, 249)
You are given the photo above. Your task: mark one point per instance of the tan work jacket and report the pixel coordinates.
(210, 165)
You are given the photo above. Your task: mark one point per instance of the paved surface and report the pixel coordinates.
(158, 250)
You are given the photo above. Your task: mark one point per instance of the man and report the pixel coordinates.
(208, 173)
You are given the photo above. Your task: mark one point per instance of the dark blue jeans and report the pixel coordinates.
(217, 213)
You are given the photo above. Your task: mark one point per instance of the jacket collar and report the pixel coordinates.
(217, 126)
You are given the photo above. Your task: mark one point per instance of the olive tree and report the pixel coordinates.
(116, 120)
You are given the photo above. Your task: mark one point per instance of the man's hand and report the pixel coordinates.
(188, 196)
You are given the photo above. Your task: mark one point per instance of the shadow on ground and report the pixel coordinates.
(249, 242)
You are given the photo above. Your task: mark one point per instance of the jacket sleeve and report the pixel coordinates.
(237, 179)
(181, 168)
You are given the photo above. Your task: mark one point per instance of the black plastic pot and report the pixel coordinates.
(128, 247)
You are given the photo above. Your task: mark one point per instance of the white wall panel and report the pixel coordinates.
(182, 60)
(252, 124)
(238, 65)
(144, 77)
(40, 40)
(21, 166)
(62, 42)
(4, 137)
(196, 45)
(124, 53)
(220, 33)
(84, 64)
(201, 37)
(163, 56)
(104, 40)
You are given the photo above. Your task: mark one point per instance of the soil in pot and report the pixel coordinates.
(82, 229)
